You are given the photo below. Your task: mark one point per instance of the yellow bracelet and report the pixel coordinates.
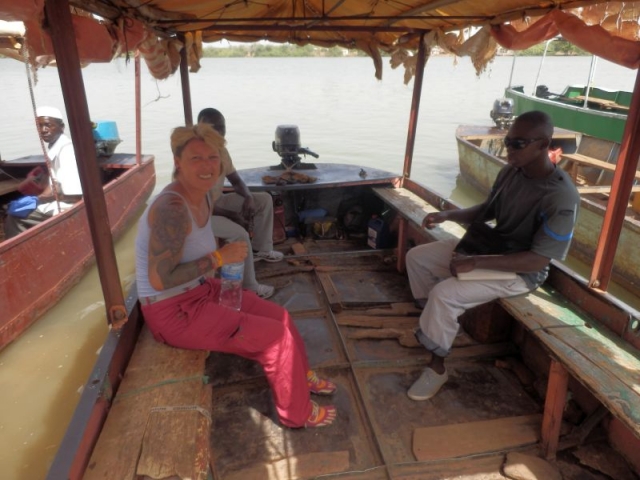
(215, 255)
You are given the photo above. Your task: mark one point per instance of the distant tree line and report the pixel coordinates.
(557, 47)
(285, 50)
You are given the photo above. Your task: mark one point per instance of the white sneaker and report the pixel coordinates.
(427, 385)
(265, 291)
(272, 256)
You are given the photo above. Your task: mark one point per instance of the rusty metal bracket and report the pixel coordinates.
(117, 316)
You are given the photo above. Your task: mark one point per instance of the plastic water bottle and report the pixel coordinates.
(231, 285)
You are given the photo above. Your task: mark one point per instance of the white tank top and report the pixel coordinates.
(198, 243)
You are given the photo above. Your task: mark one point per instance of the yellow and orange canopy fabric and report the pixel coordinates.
(464, 27)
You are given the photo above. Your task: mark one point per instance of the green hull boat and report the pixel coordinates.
(597, 112)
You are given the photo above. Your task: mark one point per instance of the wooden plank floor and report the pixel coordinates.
(373, 437)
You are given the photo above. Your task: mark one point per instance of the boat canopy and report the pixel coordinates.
(477, 28)
(169, 34)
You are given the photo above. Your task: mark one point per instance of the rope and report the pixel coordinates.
(183, 408)
(47, 160)
(203, 378)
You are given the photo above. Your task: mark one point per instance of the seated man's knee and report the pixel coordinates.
(444, 291)
(264, 201)
(415, 253)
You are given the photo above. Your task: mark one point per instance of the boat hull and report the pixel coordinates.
(479, 169)
(41, 264)
(599, 124)
(334, 290)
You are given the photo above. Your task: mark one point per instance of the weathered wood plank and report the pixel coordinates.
(602, 101)
(585, 161)
(602, 362)
(482, 468)
(331, 292)
(604, 189)
(308, 465)
(394, 309)
(298, 249)
(620, 399)
(370, 321)
(162, 456)
(479, 350)
(544, 308)
(553, 408)
(608, 352)
(414, 209)
(160, 385)
(405, 337)
(463, 439)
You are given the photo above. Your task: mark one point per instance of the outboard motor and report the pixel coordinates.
(106, 138)
(287, 145)
(542, 91)
(502, 113)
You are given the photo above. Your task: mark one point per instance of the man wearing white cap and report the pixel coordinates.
(64, 173)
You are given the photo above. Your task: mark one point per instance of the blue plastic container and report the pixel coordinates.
(105, 130)
(106, 138)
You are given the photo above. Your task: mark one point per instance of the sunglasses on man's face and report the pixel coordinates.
(519, 143)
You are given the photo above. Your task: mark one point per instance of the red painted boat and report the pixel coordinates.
(40, 265)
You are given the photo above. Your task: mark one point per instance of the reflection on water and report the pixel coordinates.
(343, 113)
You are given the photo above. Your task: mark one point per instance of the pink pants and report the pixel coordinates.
(261, 331)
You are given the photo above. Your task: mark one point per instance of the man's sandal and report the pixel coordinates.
(321, 416)
(320, 386)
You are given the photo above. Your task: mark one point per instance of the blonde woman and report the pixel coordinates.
(176, 257)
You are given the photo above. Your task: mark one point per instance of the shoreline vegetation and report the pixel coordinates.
(270, 50)
(267, 50)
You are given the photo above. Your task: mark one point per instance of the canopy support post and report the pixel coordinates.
(415, 106)
(621, 185)
(184, 80)
(411, 140)
(58, 18)
(138, 109)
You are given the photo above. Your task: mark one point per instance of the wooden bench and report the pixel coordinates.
(578, 345)
(160, 420)
(605, 104)
(576, 160)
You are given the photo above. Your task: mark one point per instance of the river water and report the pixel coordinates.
(344, 114)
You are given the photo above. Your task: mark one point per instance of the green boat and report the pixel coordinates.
(586, 109)
(593, 111)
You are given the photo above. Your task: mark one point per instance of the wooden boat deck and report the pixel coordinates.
(341, 302)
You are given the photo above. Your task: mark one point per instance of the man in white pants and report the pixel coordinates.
(535, 206)
(242, 215)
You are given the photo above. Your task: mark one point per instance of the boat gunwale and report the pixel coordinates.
(75, 209)
(566, 106)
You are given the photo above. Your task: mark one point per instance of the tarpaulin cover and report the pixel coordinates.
(16, 11)
(593, 38)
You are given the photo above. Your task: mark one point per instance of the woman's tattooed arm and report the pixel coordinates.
(170, 223)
